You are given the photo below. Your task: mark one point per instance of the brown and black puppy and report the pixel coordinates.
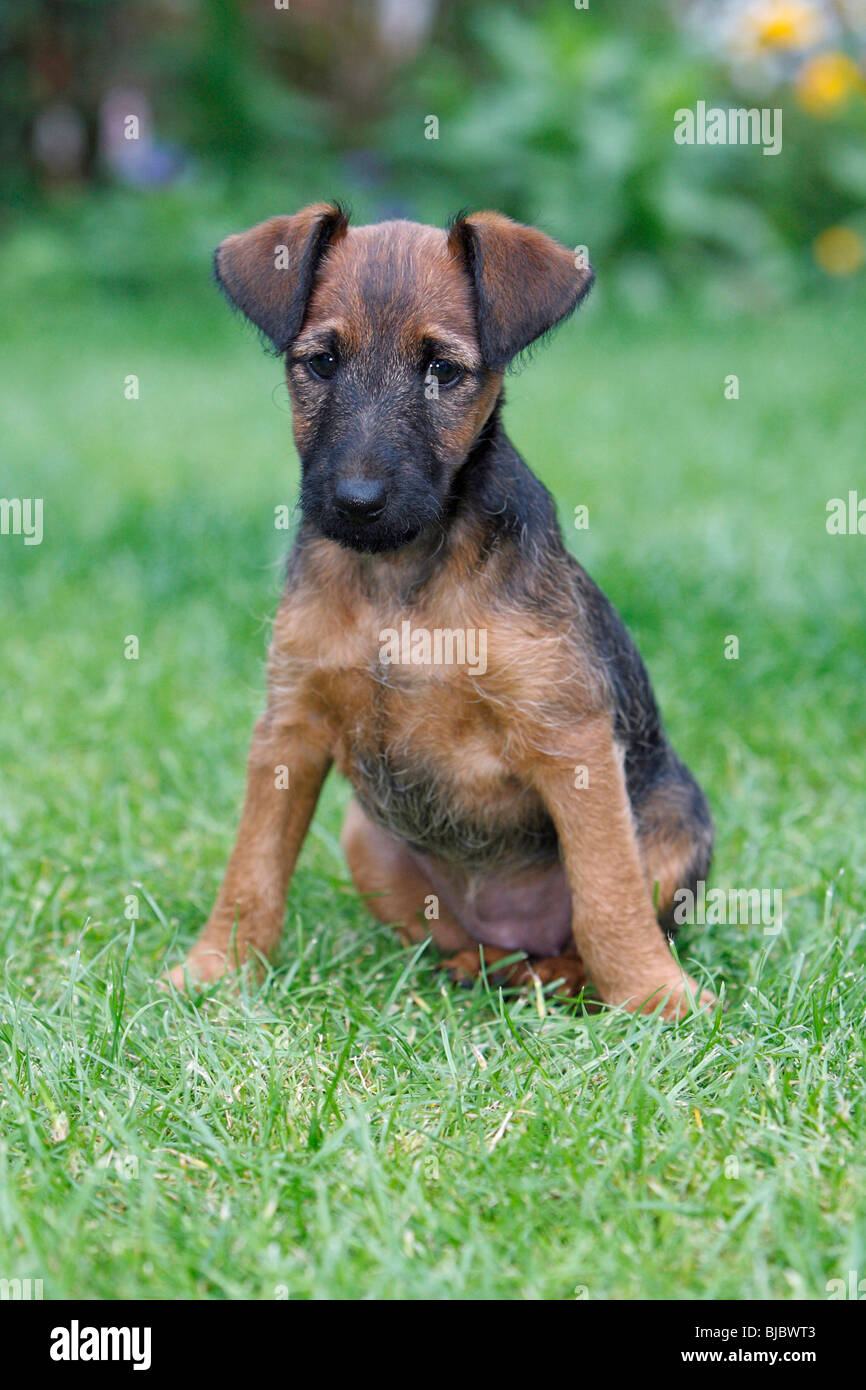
(513, 784)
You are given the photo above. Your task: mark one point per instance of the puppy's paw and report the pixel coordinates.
(202, 967)
(508, 968)
(566, 972)
(676, 999)
(465, 968)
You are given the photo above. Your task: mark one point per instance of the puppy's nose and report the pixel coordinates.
(359, 499)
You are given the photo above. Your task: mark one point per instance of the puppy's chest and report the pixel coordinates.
(402, 724)
(429, 763)
(425, 748)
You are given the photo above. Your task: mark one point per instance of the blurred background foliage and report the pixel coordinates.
(555, 114)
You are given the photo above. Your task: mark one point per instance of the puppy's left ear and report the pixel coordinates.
(268, 272)
(524, 281)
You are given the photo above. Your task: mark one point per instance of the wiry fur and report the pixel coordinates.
(464, 781)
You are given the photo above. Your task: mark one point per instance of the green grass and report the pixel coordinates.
(352, 1127)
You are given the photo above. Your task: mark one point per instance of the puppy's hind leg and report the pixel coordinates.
(393, 884)
(675, 835)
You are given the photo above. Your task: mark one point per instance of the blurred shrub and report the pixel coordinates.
(558, 116)
(570, 123)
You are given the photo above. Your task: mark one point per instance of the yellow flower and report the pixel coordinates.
(786, 25)
(839, 251)
(826, 81)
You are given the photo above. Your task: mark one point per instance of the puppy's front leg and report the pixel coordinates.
(615, 929)
(275, 818)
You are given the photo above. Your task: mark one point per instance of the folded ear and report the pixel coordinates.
(268, 272)
(524, 281)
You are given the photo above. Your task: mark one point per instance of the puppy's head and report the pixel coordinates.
(395, 338)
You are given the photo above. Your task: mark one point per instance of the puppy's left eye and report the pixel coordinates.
(443, 371)
(323, 365)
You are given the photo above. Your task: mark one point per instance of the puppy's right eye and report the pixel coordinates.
(443, 371)
(322, 365)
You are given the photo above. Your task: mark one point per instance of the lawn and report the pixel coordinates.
(354, 1127)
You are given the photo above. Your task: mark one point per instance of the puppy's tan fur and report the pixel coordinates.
(503, 749)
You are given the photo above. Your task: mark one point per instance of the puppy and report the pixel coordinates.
(513, 786)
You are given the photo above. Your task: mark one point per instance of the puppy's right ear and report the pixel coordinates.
(268, 272)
